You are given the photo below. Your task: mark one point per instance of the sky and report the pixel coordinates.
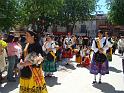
(103, 8)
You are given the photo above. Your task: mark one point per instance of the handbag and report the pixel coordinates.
(26, 72)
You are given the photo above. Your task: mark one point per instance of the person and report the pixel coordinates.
(121, 45)
(115, 44)
(78, 56)
(110, 42)
(86, 57)
(49, 65)
(67, 49)
(31, 77)
(74, 42)
(99, 63)
(3, 56)
(86, 61)
(80, 39)
(18, 53)
(11, 51)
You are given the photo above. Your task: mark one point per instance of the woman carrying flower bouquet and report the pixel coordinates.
(31, 78)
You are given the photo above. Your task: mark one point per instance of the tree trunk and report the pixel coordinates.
(70, 28)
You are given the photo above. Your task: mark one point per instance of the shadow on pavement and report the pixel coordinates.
(107, 88)
(113, 69)
(70, 66)
(7, 87)
(52, 81)
(66, 66)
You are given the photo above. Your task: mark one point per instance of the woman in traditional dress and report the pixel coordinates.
(109, 51)
(49, 47)
(31, 78)
(3, 56)
(99, 63)
(67, 49)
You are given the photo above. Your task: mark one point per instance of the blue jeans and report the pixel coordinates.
(11, 60)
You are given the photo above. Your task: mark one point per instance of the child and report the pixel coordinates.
(86, 57)
(78, 57)
(86, 61)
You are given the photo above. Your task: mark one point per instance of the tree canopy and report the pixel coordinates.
(116, 14)
(62, 12)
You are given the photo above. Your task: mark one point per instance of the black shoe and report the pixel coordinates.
(67, 63)
(94, 82)
(100, 82)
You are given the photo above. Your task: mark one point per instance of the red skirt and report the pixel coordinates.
(87, 62)
(67, 53)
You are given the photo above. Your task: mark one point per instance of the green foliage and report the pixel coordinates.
(116, 14)
(8, 13)
(76, 10)
(63, 12)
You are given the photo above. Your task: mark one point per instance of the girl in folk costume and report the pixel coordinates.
(78, 53)
(31, 78)
(3, 56)
(109, 51)
(67, 49)
(99, 63)
(86, 57)
(49, 47)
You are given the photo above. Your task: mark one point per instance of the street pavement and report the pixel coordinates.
(72, 79)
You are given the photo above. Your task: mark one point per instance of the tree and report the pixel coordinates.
(116, 14)
(34, 11)
(8, 14)
(61, 12)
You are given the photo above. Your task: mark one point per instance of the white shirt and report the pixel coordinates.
(121, 43)
(109, 43)
(48, 45)
(67, 41)
(106, 47)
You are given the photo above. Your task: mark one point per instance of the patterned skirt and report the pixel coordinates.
(99, 67)
(49, 66)
(36, 84)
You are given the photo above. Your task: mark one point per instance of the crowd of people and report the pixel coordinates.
(31, 58)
